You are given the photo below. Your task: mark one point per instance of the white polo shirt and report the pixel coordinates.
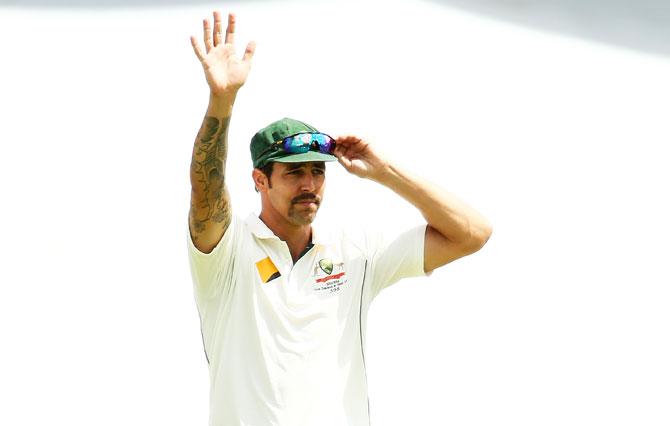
(285, 342)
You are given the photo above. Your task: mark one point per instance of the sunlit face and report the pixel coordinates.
(296, 191)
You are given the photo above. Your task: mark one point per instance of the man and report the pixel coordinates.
(284, 305)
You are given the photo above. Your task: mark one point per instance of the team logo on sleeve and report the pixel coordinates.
(328, 276)
(267, 270)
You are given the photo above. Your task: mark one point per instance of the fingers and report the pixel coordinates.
(249, 52)
(230, 29)
(349, 142)
(349, 147)
(347, 139)
(214, 36)
(218, 28)
(343, 155)
(344, 161)
(207, 36)
(197, 49)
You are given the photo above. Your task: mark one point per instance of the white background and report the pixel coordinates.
(562, 319)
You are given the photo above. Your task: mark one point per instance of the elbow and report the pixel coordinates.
(479, 236)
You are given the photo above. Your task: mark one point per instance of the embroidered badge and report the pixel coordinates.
(326, 265)
(328, 276)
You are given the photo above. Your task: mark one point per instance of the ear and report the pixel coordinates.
(260, 180)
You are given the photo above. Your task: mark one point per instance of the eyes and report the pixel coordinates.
(301, 171)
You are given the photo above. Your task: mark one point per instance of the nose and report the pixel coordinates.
(308, 183)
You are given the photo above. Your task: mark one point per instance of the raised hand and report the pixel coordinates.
(225, 72)
(358, 157)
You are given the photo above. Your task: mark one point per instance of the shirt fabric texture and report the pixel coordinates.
(285, 342)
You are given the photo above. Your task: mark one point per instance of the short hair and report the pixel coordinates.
(267, 171)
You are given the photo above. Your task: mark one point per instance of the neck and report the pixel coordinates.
(296, 236)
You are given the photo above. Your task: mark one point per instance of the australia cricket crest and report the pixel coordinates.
(328, 275)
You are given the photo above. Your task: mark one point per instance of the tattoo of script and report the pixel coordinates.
(209, 198)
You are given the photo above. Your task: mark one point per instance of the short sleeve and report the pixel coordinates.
(394, 259)
(211, 270)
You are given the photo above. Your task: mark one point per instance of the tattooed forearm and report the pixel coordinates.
(209, 198)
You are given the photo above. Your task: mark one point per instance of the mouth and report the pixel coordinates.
(307, 201)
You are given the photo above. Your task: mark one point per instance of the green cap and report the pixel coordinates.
(266, 137)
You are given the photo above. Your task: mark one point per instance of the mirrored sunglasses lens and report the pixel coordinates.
(298, 143)
(305, 138)
(324, 142)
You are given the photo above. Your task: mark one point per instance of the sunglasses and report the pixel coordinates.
(303, 142)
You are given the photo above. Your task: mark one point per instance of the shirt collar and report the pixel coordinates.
(258, 227)
(261, 230)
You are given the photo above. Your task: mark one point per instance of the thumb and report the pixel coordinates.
(344, 161)
(197, 49)
(249, 51)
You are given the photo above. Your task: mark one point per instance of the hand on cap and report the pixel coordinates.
(358, 157)
(225, 72)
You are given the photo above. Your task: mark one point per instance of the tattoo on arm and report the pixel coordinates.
(209, 197)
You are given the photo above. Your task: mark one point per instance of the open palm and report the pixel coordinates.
(225, 72)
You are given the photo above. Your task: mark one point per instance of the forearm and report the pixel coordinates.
(210, 205)
(451, 217)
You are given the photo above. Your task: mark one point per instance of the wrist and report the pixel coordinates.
(221, 105)
(386, 174)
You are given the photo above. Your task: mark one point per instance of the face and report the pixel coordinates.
(294, 192)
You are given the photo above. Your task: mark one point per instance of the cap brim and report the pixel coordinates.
(304, 157)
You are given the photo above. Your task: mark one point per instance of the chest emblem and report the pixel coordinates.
(328, 276)
(326, 265)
